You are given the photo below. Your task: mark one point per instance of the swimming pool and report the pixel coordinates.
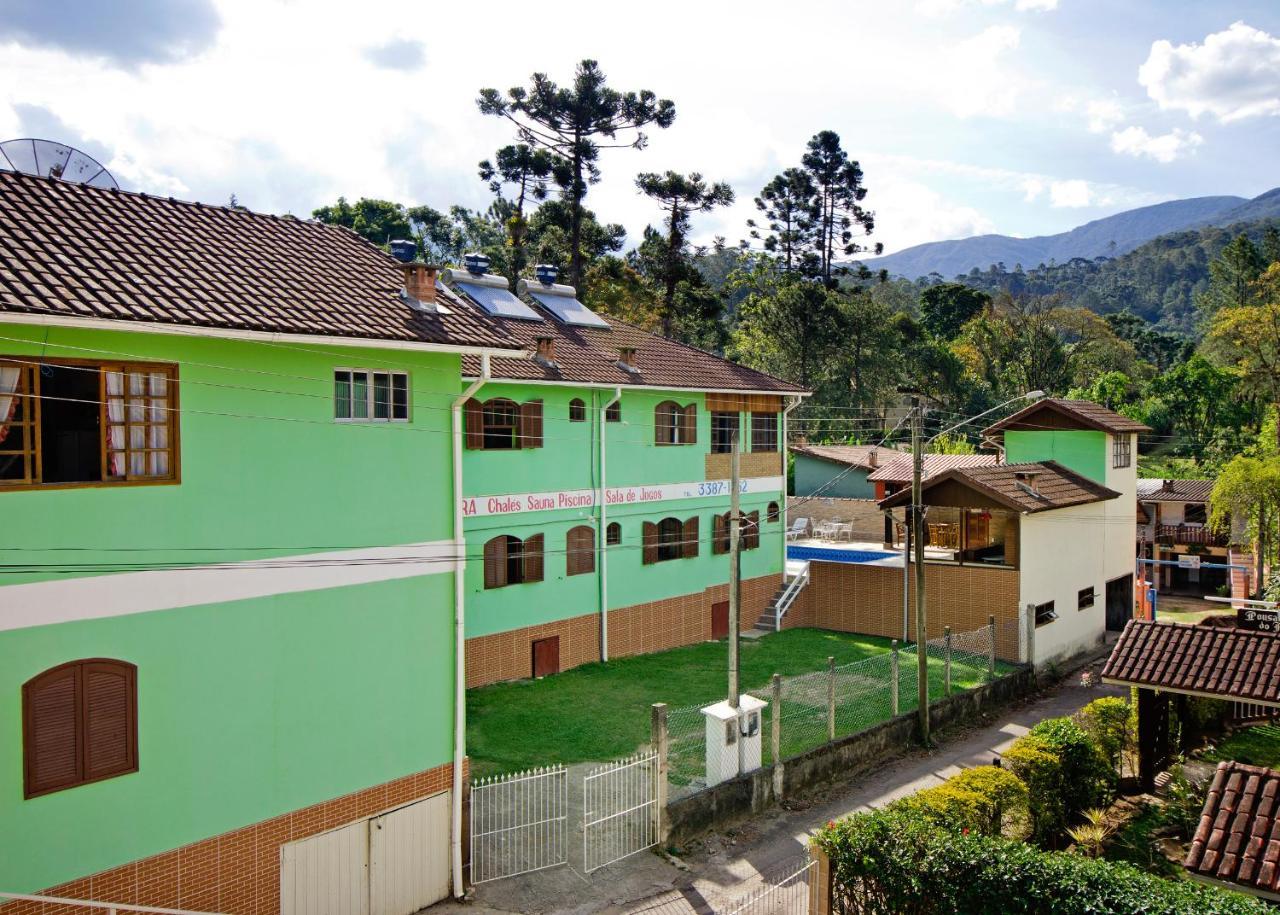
(836, 555)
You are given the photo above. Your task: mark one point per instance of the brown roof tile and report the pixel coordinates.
(1238, 839)
(899, 470)
(1033, 487)
(1158, 490)
(1223, 663)
(1052, 412)
(851, 455)
(72, 250)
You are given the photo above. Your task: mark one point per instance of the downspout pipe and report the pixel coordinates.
(460, 623)
(604, 530)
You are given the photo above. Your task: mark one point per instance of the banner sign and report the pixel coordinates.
(1258, 620)
(555, 500)
(1188, 561)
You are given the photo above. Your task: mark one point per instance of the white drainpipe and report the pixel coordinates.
(604, 532)
(459, 624)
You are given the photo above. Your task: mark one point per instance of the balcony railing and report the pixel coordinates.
(1191, 534)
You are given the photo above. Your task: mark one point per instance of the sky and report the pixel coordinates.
(1023, 117)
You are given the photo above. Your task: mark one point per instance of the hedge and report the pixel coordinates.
(891, 862)
(982, 799)
(1066, 773)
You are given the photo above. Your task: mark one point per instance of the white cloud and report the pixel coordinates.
(910, 213)
(1032, 188)
(1104, 114)
(1135, 141)
(1234, 74)
(1073, 193)
(974, 79)
(1039, 6)
(947, 7)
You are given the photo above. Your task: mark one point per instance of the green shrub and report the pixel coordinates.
(1036, 762)
(1183, 803)
(984, 799)
(1109, 723)
(890, 862)
(1066, 773)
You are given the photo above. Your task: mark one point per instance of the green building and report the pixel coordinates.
(250, 518)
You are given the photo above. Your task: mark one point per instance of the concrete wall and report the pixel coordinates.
(1064, 551)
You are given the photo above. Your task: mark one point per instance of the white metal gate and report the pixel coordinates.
(620, 810)
(519, 823)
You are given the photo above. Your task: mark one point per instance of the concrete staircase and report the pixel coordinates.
(794, 581)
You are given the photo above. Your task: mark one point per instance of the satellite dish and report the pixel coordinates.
(54, 160)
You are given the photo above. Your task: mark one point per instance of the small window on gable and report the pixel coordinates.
(580, 552)
(1121, 451)
(577, 411)
(613, 534)
(613, 413)
(79, 725)
(364, 396)
(773, 513)
(1045, 613)
(1084, 598)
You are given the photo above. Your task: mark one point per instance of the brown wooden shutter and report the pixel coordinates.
(473, 421)
(719, 534)
(662, 424)
(52, 736)
(110, 730)
(689, 425)
(689, 547)
(495, 562)
(531, 424)
(650, 541)
(580, 555)
(533, 547)
(751, 533)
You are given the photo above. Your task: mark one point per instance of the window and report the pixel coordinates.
(81, 422)
(1084, 599)
(362, 396)
(1045, 613)
(764, 431)
(613, 412)
(669, 539)
(613, 534)
(511, 561)
(1193, 513)
(1121, 454)
(577, 411)
(580, 552)
(724, 431)
(79, 725)
(773, 513)
(748, 532)
(500, 424)
(674, 424)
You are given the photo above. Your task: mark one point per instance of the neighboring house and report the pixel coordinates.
(895, 475)
(235, 460)
(1236, 844)
(1173, 520)
(838, 471)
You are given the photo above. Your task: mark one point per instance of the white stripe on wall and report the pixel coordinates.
(101, 596)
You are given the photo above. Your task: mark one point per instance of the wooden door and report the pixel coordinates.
(409, 857)
(720, 620)
(546, 656)
(1119, 602)
(327, 874)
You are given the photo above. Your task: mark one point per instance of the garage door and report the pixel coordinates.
(393, 864)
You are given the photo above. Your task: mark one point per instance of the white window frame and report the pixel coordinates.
(369, 389)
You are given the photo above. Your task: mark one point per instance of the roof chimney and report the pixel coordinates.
(627, 358)
(872, 458)
(546, 353)
(419, 285)
(1026, 480)
(1166, 485)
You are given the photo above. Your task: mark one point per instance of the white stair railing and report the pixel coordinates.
(788, 596)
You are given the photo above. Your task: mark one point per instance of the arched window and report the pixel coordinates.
(577, 411)
(674, 424)
(511, 561)
(772, 512)
(580, 553)
(501, 424)
(670, 538)
(613, 534)
(79, 724)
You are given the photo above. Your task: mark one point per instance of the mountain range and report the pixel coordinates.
(1110, 237)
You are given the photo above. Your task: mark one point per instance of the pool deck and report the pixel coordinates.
(890, 562)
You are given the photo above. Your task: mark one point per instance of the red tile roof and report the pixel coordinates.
(1061, 413)
(1238, 839)
(851, 455)
(71, 250)
(899, 469)
(1030, 488)
(1219, 663)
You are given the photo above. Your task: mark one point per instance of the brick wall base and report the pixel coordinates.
(236, 872)
(638, 629)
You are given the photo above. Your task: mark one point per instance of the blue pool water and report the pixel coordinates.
(814, 552)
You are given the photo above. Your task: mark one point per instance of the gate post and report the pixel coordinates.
(819, 882)
(775, 737)
(661, 746)
(946, 663)
(831, 698)
(1030, 626)
(893, 680)
(991, 650)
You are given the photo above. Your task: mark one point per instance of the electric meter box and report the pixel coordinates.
(733, 738)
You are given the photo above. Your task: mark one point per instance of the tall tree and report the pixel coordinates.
(787, 203)
(680, 196)
(1249, 334)
(571, 122)
(947, 307)
(788, 326)
(1231, 275)
(839, 193)
(1270, 245)
(377, 220)
(528, 171)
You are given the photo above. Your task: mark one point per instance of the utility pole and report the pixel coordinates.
(735, 573)
(917, 527)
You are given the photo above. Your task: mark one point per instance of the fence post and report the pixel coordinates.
(660, 739)
(991, 639)
(831, 698)
(893, 679)
(1031, 636)
(819, 882)
(946, 664)
(775, 737)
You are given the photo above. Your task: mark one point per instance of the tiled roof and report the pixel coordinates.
(1052, 412)
(1174, 490)
(852, 455)
(71, 250)
(1223, 663)
(899, 469)
(1027, 488)
(590, 355)
(1238, 839)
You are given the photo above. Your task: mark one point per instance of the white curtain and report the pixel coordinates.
(9, 377)
(115, 420)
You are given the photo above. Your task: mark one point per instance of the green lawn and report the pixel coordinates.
(601, 711)
(1256, 746)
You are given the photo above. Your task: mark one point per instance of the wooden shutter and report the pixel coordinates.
(495, 562)
(751, 531)
(52, 735)
(719, 534)
(580, 556)
(689, 425)
(650, 541)
(473, 416)
(662, 423)
(689, 547)
(533, 547)
(110, 732)
(531, 424)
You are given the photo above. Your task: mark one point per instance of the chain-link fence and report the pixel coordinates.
(834, 702)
